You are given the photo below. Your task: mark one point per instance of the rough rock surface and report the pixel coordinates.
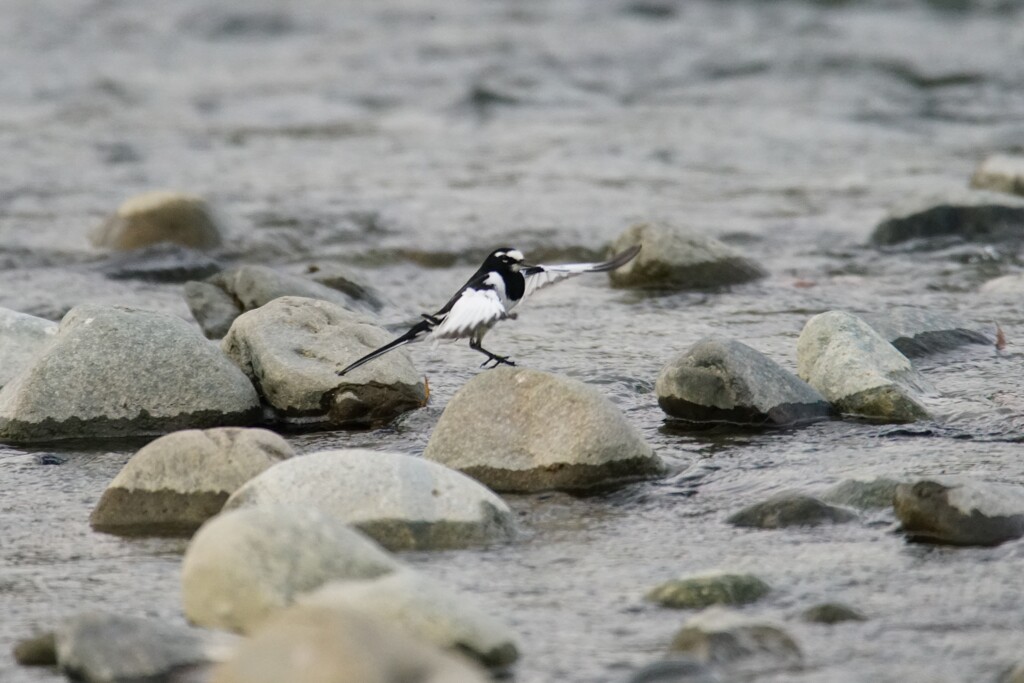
(679, 259)
(960, 511)
(863, 375)
(174, 484)
(292, 348)
(831, 613)
(709, 588)
(523, 430)
(161, 373)
(863, 494)
(1001, 173)
(317, 645)
(22, 339)
(917, 332)
(400, 501)
(736, 642)
(959, 216)
(244, 565)
(727, 381)
(159, 217)
(426, 609)
(789, 509)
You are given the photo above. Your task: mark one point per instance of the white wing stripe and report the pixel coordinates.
(475, 308)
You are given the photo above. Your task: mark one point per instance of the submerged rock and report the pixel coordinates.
(789, 509)
(916, 332)
(960, 511)
(863, 494)
(40, 650)
(863, 375)
(736, 642)
(675, 670)
(166, 375)
(523, 430)
(1001, 173)
(159, 217)
(164, 262)
(726, 381)
(963, 215)
(174, 484)
(244, 565)
(400, 501)
(22, 339)
(710, 588)
(292, 348)
(426, 609)
(676, 258)
(313, 645)
(831, 613)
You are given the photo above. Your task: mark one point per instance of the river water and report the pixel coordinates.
(407, 138)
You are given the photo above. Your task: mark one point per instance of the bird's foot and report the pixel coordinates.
(497, 360)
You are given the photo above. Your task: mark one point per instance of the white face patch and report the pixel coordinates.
(516, 255)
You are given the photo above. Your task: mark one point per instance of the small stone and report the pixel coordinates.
(212, 307)
(675, 670)
(711, 588)
(159, 217)
(38, 650)
(164, 262)
(831, 613)
(916, 332)
(960, 511)
(863, 494)
(789, 509)
(522, 430)
(1001, 173)
(23, 338)
(737, 643)
(960, 216)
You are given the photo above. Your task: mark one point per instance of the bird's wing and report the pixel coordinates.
(539, 277)
(474, 308)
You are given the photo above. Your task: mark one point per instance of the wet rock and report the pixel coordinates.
(960, 511)
(22, 339)
(174, 484)
(676, 258)
(244, 565)
(1001, 173)
(675, 670)
(40, 650)
(108, 648)
(426, 609)
(863, 375)
(916, 332)
(293, 347)
(863, 494)
(789, 509)
(709, 588)
(156, 217)
(212, 307)
(1007, 285)
(831, 613)
(1013, 675)
(726, 381)
(961, 216)
(166, 375)
(343, 280)
(400, 501)
(162, 262)
(313, 645)
(523, 430)
(736, 642)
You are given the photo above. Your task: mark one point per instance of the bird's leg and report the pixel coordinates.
(498, 360)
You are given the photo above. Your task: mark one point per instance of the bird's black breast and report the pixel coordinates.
(515, 286)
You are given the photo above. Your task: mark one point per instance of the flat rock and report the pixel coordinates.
(292, 348)
(726, 381)
(318, 645)
(162, 374)
(400, 501)
(677, 258)
(107, 648)
(522, 430)
(857, 370)
(156, 217)
(916, 332)
(244, 565)
(163, 262)
(965, 215)
(831, 613)
(960, 511)
(675, 670)
(174, 484)
(1000, 173)
(22, 339)
(428, 610)
(863, 494)
(789, 509)
(736, 642)
(697, 591)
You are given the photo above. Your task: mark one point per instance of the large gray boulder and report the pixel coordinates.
(860, 373)
(244, 565)
(677, 258)
(115, 371)
(320, 645)
(701, 590)
(962, 215)
(737, 643)
(22, 339)
(918, 332)
(523, 430)
(726, 381)
(292, 348)
(789, 508)
(1001, 173)
(174, 484)
(960, 511)
(427, 609)
(156, 217)
(400, 501)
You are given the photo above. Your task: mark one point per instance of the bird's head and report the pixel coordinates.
(506, 258)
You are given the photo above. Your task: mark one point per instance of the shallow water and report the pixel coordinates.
(406, 138)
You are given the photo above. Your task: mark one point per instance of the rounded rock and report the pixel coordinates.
(789, 509)
(831, 613)
(710, 588)
(917, 332)
(963, 215)
(23, 338)
(1001, 173)
(736, 642)
(960, 511)
(156, 217)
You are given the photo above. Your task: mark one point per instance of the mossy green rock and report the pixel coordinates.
(704, 590)
(831, 613)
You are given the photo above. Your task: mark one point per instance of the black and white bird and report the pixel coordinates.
(487, 298)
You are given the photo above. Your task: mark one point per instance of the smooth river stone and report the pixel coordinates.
(1001, 173)
(960, 511)
(789, 509)
(23, 338)
(159, 216)
(736, 642)
(969, 215)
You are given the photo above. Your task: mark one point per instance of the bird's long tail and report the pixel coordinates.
(416, 333)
